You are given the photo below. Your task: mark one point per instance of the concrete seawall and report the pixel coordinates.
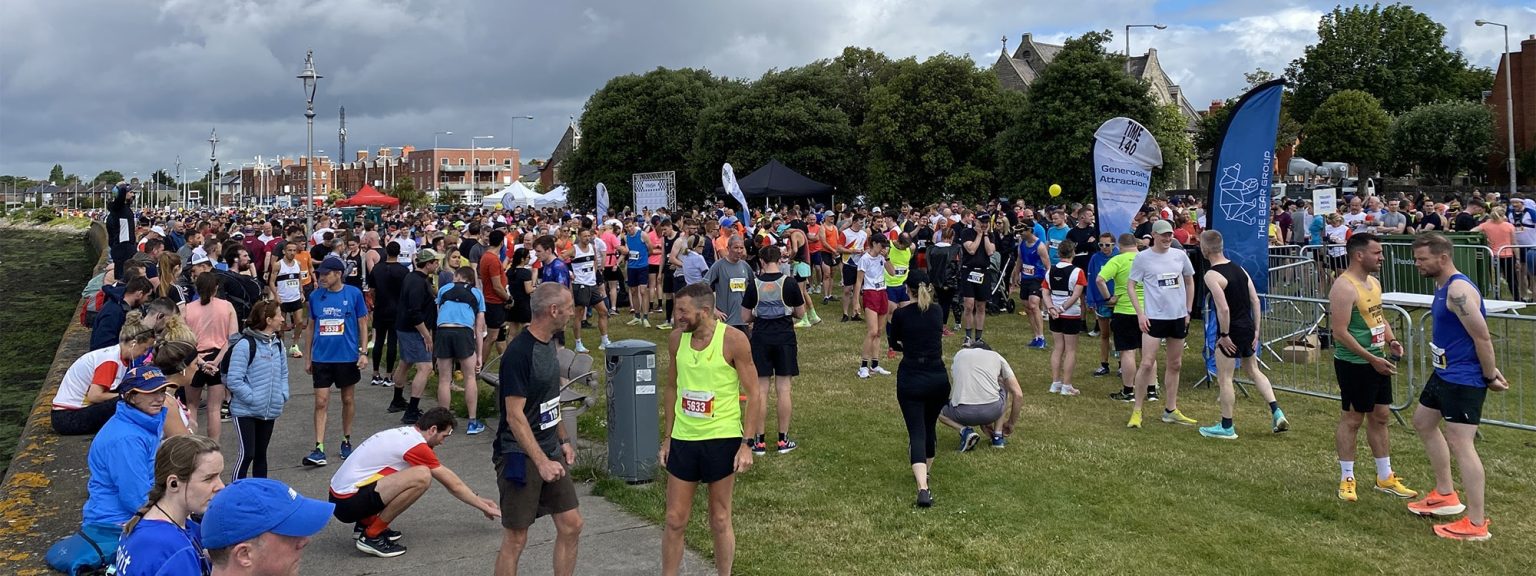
(44, 486)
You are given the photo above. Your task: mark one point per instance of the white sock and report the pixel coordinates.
(1384, 468)
(1346, 469)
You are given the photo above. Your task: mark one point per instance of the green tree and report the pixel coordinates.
(644, 123)
(1443, 139)
(163, 178)
(930, 129)
(1349, 127)
(108, 177)
(57, 174)
(405, 191)
(1171, 129)
(1050, 139)
(1395, 53)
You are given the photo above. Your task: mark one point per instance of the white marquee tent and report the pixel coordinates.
(553, 199)
(514, 196)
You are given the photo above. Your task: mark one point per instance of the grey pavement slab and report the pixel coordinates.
(443, 535)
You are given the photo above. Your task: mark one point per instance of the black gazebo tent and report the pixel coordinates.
(776, 179)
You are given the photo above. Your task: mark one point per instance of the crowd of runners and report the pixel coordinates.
(200, 314)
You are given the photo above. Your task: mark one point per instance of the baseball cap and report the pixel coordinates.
(158, 230)
(1162, 227)
(145, 379)
(727, 222)
(333, 265)
(199, 259)
(238, 234)
(250, 507)
(426, 255)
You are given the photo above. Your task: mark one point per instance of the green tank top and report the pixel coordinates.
(901, 260)
(1366, 325)
(708, 392)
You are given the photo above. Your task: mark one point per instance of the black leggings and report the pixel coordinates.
(922, 390)
(87, 420)
(946, 301)
(254, 434)
(385, 339)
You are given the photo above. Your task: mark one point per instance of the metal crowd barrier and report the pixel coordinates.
(1518, 273)
(1514, 347)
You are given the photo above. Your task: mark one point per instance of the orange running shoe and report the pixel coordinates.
(1463, 529)
(1437, 504)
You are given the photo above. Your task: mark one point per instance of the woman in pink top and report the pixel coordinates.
(612, 274)
(1501, 234)
(213, 320)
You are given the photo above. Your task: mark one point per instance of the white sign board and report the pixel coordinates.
(654, 190)
(1324, 201)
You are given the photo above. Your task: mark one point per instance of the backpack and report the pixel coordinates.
(241, 291)
(233, 340)
(461, 294)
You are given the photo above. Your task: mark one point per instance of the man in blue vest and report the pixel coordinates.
(771, 306)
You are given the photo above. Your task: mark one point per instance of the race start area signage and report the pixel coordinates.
(654, 190)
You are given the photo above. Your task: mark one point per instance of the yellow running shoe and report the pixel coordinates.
(1135, 420)
(1347, 490)
(1177, 417)
(1394, 486)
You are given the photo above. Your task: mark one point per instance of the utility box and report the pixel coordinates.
(633, 423)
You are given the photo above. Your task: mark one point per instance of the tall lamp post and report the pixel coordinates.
(1128, 28)
(512, 147)
(1509, 104)
(213, 162)
(473, 165)
(311, 80)
(437, 180)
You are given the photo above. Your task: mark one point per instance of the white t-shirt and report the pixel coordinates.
(319, 236)
(874, 270)
(78, 379)
(1162, 277)
(854, 240)
(407, 250)
(380, 455)
(978, 376)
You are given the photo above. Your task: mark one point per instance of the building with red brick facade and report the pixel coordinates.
(442, 169)
(1522, 68)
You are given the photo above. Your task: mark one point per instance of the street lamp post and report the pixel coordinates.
(1509, 104)
(213, 161)
(517, 159)
(437, 181)
(311, 80)
(473, 166)
(1128, 28)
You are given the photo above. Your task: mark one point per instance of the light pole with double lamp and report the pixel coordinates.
(311, 80)
(1509, 103)
(437, 179)
(474, 166)
(517, 159)
(213, 165)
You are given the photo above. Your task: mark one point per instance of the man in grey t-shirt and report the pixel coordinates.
(1393, 221)
(977, 398)
(729, 277)
(1165, 278)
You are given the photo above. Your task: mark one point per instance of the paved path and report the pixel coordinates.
(444, 536)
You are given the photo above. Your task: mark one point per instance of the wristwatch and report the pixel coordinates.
(1222, 334)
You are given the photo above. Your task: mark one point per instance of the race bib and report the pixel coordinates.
(976, 277)
(633, 256)
(290, 284)
(1436, 356)
(1169, 281)
(584, 268)
(332, 326)
(698, 404)
(549, 414)
(305, 275)
(1027, 269)
(738, 284)
(1379, 336)
(1055, 244)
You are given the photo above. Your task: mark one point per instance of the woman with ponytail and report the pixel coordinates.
(922, 381)
(170, 272)
(161, 539)
(213, 321)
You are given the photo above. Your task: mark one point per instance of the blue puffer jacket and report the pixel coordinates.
(257, 389)
(122, 464)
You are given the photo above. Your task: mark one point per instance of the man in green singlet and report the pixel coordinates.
(702, 427)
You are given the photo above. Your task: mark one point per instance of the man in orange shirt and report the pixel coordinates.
(828, 256)
(493, 282)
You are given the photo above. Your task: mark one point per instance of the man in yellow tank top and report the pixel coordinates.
(702, 422)
(1361, 339)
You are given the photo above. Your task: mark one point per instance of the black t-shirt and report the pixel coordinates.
(777, 330)
(978, 259)
(1434, 218)
(917, 333)
(922, 238)
(516, 278)
(318, 253)
(530, 370)
(1144, 230)
(1465, 222)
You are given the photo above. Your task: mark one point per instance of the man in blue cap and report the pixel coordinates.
(337, 351)
(259, 526)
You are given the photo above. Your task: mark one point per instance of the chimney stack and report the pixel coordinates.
(361, 155)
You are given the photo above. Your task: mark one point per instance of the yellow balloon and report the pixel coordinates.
(1055, 190)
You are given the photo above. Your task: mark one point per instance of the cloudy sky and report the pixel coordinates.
(131, 84)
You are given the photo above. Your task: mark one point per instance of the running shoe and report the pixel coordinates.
(224, 412)
(880, 370)
(978, 342)
(1394, 486)
(633, 322)
(315, 458)
(786, 446)
(864, 372)
(1152, 394)
(1135, 420)
(1437, 504)
(604, 344)
(389, 534)
(1102, 371)
(394, 407)
(293, 352)
(1055, 387)
(1177, 417)
(967, 342)
(759, 448)
(998, 441)
(1280, 423)
(968, 439)
(889, 353)
(580, 347)
(474, 427)
(410, 416)
(586, 323)
(380, 547)
(389, 381)
(947, 332)
(846, 319)
(1347, 490)
(1038, 343)
(377, 380)
(1069, 390)
(1093, 333)
(346, 449)
(664, 326)
(803, 323)
(645, 322)
(1218, 432)
(1463, 529)
(924, 498)
(1123, 396)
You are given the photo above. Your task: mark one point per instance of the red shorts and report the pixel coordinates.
(876, 301)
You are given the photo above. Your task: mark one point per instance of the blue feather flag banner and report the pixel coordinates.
(602, 201)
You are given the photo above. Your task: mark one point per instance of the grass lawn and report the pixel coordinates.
(1075, 492)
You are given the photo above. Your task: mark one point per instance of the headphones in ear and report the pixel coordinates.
(174, 484)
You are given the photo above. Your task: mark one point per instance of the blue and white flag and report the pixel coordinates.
(728, 180)
(602, 201)
(1124, 154)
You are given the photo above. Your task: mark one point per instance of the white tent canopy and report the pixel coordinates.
(513, 196)
(553, 199)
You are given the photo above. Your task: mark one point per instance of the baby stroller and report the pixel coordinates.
(999, 301)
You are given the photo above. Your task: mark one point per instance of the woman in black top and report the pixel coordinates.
(520, 284)
(922, 382)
